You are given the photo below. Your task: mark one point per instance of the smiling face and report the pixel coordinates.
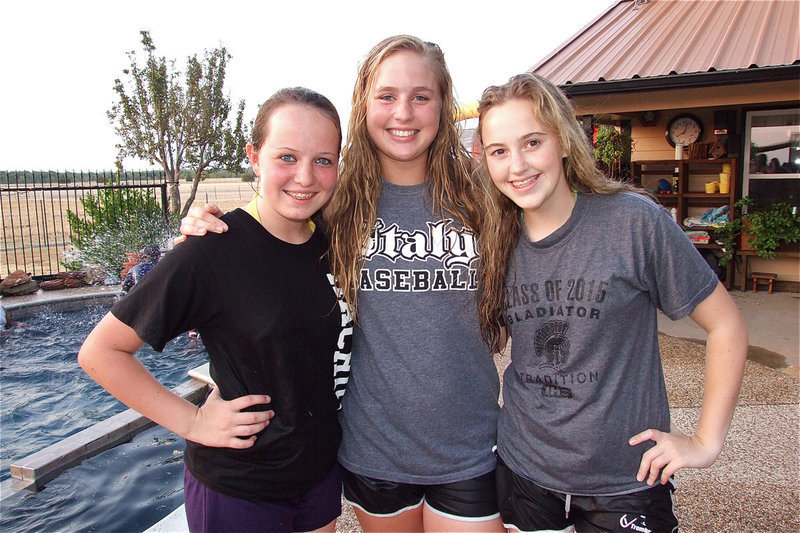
(297, 167)
(403, 116)
(525, 160)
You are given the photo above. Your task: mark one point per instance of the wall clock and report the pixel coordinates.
(684, 129)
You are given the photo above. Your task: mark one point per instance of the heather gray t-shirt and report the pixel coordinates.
(586, 370)
(421, 404)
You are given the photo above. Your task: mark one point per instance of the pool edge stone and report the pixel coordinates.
(41, 467)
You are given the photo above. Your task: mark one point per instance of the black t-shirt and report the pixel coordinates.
(272, 323)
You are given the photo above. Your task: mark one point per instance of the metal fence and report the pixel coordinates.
(34, 205)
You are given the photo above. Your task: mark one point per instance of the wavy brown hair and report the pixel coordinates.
(502, 225)
(354, 208)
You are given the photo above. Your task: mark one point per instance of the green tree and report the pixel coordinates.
(173, 120)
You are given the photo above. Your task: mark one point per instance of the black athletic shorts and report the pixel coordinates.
(472, 500)
(526, 506)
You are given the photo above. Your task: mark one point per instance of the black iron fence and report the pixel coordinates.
(34, 206)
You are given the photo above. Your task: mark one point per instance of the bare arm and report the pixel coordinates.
(107, 356)
(726, 352)
(202, 219)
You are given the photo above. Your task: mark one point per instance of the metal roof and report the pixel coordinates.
(659, 39)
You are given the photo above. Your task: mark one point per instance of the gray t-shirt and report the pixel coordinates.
(421, 404)
(586, 371)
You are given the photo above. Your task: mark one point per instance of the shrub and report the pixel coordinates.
(764, 227)
(611, 147)
(115, 221)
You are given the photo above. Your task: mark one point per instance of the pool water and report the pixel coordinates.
(46, 397)
(125, 489)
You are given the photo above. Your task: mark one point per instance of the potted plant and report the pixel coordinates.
(611, 147)
(763, 228)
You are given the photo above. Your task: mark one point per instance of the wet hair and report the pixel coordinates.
(502, 225)
(293, 95)
(355, 204)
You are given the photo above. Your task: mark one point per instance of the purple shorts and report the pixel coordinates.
(210, 511)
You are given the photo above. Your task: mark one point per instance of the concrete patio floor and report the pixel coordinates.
(773, 326)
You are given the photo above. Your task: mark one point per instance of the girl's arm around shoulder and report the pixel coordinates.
(726, 352)
(200, 220)
(108, 357)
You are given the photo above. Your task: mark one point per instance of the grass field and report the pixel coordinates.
(36, 232)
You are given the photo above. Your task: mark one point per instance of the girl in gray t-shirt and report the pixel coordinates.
(574, 269)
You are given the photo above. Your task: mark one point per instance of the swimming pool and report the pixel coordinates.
(47, 397)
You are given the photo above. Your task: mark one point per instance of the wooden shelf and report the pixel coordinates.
(692, 176)
(705, 195)
(666, 198)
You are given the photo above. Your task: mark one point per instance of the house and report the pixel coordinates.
(725, 71)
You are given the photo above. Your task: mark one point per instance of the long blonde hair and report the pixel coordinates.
(354, 208)
(502, 225)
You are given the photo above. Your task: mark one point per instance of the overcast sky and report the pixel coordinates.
(60, 58)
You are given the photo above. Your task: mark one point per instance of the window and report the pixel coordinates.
(772, 155)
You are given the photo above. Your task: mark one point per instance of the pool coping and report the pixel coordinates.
(21, 307)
